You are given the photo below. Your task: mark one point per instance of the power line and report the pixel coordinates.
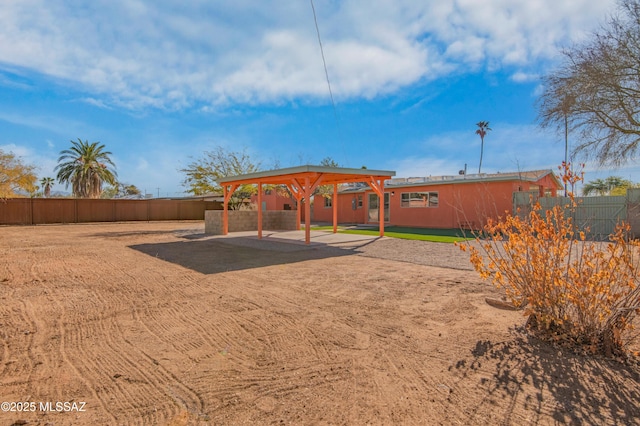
(324, 62)
(326, 73)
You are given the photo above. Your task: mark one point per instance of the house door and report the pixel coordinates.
(374, 207)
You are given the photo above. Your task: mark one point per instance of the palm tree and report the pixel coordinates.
(612, 184)
(483, 128)
(86, 166)
(47, 183)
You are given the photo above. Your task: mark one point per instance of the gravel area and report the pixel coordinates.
(443, 255)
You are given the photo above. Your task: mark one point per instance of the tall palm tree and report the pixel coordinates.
(86, 166)
(597, 186)
(483, 128)
(47, 183)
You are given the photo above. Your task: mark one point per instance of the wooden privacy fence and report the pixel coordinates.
(34, 211)
(597, 214)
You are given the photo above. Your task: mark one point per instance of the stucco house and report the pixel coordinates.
(447, 202)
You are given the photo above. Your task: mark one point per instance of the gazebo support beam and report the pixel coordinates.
(307, 210)
(378, 187)
(227, 191)
(259, 210)
(296, 191)
(334, 205)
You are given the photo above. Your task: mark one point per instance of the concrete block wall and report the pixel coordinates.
(247, 220)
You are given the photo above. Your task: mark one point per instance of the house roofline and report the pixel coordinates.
(526, 176)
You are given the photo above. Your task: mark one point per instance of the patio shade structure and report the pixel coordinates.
(302, 181)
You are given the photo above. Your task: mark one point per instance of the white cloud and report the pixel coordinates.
(523, 77)
(175, 53)
(19, 151)
(506, 148)
(95, 102)
(421, 166)
(43, 161)
(143, 165)
(509, 148)
(51, 123)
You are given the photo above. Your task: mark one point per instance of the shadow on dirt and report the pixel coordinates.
(187, 233)
(211, 256)
(121, 234)
(573, 389)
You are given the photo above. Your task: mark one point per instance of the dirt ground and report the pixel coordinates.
(157, 323)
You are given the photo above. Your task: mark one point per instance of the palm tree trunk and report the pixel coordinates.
(481, 151)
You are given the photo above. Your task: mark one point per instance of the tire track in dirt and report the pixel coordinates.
(277, 383)
(19, 363)
(44, 352)
(264, 341)
(4, 337)
(329, 340)
(71, 338)
(62, 346)
(188, 334)
(357, 336)
(165, 382)
(143, 320)
(168, 319)
(132, 381)
(344, 337)
(279, 322)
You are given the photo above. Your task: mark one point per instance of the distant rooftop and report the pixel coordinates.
(330, 175)
(530, 175)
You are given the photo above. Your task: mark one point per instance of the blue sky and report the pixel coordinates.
(160, 82)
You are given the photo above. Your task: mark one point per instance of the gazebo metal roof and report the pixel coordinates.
(330, 175)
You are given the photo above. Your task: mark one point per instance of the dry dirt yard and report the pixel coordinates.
(157, 323)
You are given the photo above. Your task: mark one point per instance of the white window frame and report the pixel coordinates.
(431, 200)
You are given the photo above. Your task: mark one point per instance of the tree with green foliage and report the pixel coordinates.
(15, 176)
(483, 128)
(613, 185)
(86, 166)
(329, 162)
(47, 183)
(597, 186)
(121, 190)
(596, 90)
(202, 174)
(326, 190)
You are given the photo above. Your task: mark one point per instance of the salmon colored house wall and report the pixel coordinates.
(460, 204)
(275, 201)
(347, 214)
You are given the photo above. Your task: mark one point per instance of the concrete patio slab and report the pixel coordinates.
(318, 238)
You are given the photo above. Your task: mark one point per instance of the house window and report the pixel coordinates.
(419, 199)
(327, 202)
(360, 201)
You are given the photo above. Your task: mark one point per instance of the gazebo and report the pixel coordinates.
(302, 181)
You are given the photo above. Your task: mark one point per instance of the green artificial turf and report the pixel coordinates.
(421, 234)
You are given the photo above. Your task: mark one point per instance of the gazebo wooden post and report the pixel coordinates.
(259, 210)
(378, 187)
(298, 212)
(307, 210)
(334, 205)
(227, 191)
(225, 211)
(296, 190)
(381, 207)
